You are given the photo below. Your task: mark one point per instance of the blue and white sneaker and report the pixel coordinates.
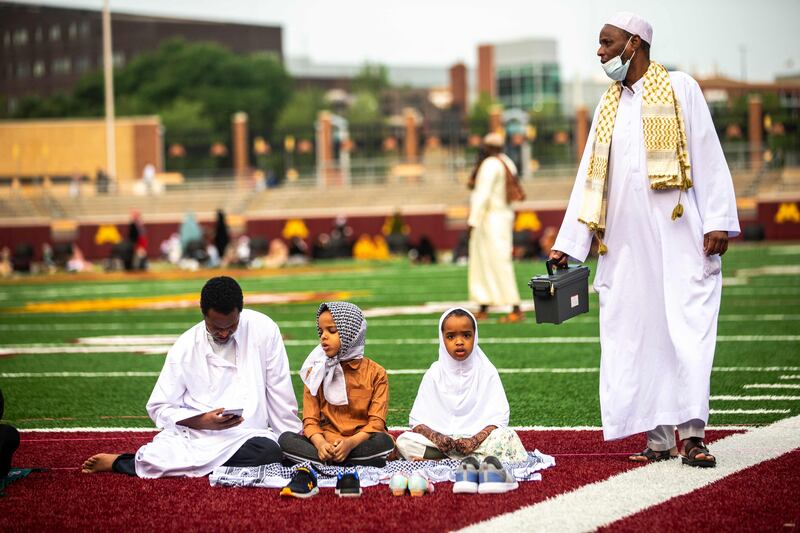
(493, 478)
(467, 476)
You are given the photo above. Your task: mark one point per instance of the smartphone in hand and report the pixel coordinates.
(234, 412)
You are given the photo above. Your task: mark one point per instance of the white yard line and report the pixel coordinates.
(792, 376)
(732, 398)
(772, 386)
(605, 502)
(156, 343)
(285, 324)
(750, 411)
(390, 371)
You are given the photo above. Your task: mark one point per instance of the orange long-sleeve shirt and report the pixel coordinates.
(368, 402)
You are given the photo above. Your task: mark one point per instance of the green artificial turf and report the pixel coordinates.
(761, 298)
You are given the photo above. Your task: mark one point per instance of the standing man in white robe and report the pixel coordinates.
(491, 225)
(654, 188)
(233, 359)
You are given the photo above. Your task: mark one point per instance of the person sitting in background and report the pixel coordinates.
(298, 251)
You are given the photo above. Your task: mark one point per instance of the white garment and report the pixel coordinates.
(491, 273)
(659, 293)
(460, 397)
(194, 381)
(662, 438)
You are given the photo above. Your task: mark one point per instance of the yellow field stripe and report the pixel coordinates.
(169, 301)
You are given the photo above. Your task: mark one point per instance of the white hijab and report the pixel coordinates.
(319, 369)
(460, 397)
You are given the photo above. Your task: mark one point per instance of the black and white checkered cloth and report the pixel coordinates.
(277, 476)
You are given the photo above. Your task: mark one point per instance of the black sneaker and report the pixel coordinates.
(302, 485)
(348, 485)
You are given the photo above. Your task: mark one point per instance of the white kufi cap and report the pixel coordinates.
(494, 139)
(634, 24)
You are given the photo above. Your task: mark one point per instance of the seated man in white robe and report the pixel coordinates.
(653, 187)
(233, 360)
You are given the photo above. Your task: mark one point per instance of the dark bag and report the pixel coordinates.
(514, 191)
(561, 294)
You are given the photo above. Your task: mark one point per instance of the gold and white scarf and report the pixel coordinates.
(664, 139)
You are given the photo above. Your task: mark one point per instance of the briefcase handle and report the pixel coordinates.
(550, 263)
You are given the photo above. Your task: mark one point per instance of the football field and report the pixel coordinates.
(83, 352)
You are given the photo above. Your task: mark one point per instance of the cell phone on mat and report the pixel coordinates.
(234, 412)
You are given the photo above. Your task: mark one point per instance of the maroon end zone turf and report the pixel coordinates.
(765, 497)
(64, 498)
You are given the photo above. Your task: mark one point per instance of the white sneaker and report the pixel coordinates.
(467, 476)
(494, 478)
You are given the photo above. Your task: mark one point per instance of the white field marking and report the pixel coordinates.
(772, 270)
(390, 428)
(763, 291)
(45, 350)
(791, 376)
(750, 411)
(149, 346)
(390, 371)
(732, 398)
(772, 386)
(605, 502)
(286, 324)
(13, 375)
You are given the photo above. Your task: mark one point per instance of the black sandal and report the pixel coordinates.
(652, 456)
(696, 454)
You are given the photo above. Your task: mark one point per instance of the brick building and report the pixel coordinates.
(45, 50)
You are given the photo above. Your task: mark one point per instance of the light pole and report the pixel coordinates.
(108, 77)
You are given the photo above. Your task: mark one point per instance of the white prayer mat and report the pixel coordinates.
(277, 476)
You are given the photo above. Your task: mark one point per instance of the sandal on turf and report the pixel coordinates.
(696, 454)
(653, 456)
(512, 317)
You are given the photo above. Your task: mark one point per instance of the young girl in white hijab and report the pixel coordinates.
(345, 397)
(461, 407)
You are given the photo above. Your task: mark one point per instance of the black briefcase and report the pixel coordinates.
(561, 294)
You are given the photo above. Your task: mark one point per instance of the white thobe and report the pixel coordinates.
(194, 381)
(491, 273)
(659, 292)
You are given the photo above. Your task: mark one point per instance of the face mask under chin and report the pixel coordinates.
(615, 68)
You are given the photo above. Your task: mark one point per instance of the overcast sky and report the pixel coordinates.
(698, 36)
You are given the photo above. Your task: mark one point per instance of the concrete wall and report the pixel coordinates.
(78, 146)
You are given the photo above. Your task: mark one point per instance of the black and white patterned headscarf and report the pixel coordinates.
(321, 370)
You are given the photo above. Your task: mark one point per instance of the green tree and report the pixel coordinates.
(364, 110)
(182, 78)
(371, 78)
(301, 111)
(478, 117)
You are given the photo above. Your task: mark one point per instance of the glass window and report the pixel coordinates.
(13, 103)
(21, 37)
(62, 65)
(6, 38)
(55, 33)
(38, 35)
(85, 30)
(73, 31)
(82, 64)
(23, 70)
(119, 59)
(38, 69)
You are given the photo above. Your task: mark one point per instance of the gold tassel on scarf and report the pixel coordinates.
(664, 139)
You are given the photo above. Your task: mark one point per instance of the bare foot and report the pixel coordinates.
(101, 462)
